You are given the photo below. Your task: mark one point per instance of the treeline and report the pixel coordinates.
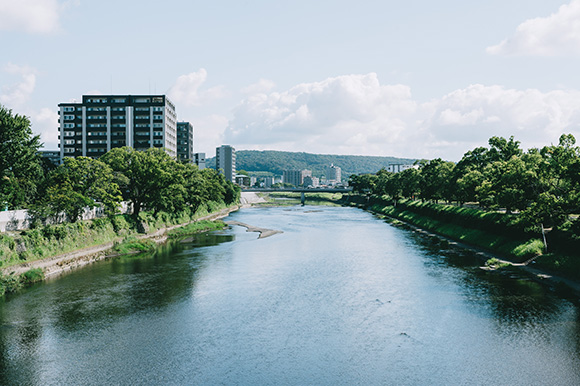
(275, 162)
(538, 187)
(150, 180)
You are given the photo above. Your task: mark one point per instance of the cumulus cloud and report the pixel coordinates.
(355, 114)
(31, 16)
(187, 89)
(262, 86)
(16, 94)
(557, 34)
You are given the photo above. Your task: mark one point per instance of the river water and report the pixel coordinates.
(339, 298)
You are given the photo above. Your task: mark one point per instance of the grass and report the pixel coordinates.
(12, 283)
(464, 225)
(495, 263)
(132, 244)
(196, 227)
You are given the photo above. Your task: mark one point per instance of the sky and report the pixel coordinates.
(413, 79)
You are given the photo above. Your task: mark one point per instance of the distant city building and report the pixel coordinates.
(52, 155)
(333, 174)
(184, 141)
(226, 161)
(243, 180)
(295, 177)
(103, 122)
(396, 168)
(268, 182)
(311, 181)
(199, 160)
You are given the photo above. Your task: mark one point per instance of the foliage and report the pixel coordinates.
(77, 184)
(20, 164)
(152, 180)
(495, 263)
(132, 244)
(275, 162)
(196, 227)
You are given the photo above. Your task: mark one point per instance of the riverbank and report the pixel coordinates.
(58, 264)
(487, 244)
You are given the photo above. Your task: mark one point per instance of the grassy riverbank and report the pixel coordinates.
(497, 233)
(123, 233)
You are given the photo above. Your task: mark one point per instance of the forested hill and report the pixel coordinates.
(277, 161)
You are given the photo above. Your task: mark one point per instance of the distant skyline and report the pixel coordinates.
(416, 79)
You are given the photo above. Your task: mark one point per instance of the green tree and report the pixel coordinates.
(145, 177)
(20, 164)
(77, 184)
(436, 177)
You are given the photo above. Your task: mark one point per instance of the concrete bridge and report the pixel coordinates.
(302, 191)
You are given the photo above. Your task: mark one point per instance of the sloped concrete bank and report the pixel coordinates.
(60, 264)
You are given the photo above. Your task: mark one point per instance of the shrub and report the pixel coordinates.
(32, 276)
(531, 248)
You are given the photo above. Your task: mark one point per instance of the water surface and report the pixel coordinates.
(340, 297)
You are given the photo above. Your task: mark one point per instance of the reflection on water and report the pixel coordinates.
(339, 298)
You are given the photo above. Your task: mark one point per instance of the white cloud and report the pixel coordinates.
(557, 34)
(355, 114)
(45, 123)
(187, 87)
(208, 133)
(16, 94)
(262, 86)
(31, 16)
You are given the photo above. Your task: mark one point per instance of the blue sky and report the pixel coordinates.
(417, 79)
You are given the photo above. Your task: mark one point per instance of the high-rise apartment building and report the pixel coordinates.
(102, 122)
(333, 174)
(226, 161)
(185, 141)
(296, 177)
(199, 160)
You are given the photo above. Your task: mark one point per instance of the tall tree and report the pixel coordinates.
(20, 164)
(77, 184)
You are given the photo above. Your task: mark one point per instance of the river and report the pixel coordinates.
(339, 298)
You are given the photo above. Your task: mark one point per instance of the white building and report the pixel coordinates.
(396, 168)
(333, 174)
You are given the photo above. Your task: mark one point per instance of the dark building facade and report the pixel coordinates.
(102, 122)
(226, 161)
(185, 141)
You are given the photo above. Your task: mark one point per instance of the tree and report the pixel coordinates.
(436, 179)
(20, 164)
(145, 177)
(77, 184)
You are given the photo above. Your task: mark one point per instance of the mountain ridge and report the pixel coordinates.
(275, 162)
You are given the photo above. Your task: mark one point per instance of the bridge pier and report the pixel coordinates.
(302, 198)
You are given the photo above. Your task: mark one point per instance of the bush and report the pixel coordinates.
(132, 244)
(32, 276)
(532, 248)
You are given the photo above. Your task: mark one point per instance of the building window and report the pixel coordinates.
(69, 133)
